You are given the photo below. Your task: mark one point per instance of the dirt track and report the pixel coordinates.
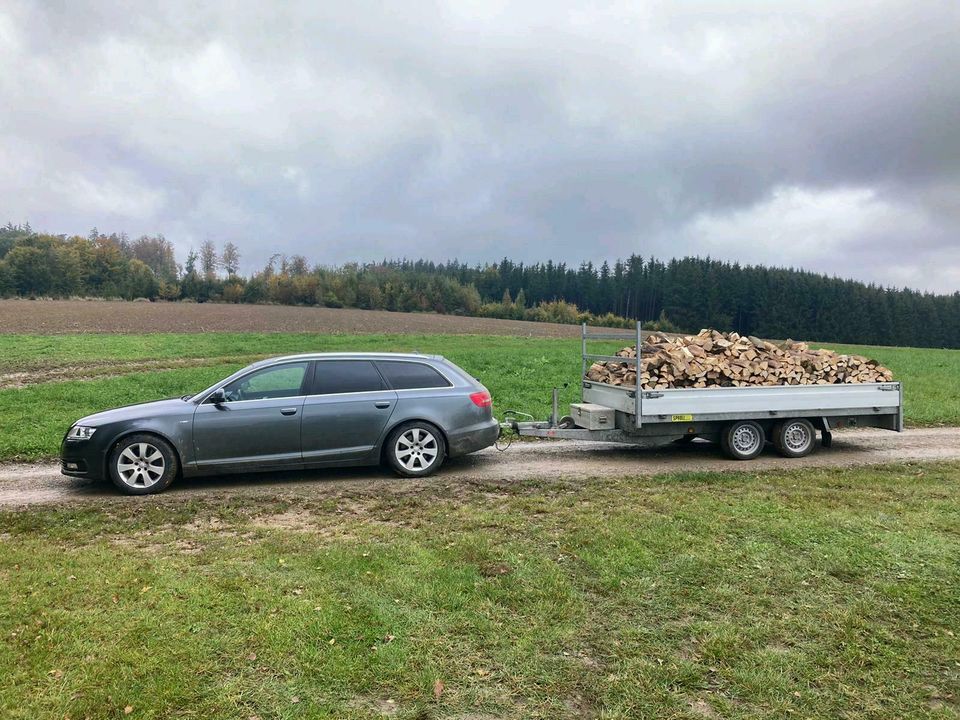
(55, 317)
(42, 484)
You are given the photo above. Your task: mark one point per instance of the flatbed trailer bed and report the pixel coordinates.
(741, 419)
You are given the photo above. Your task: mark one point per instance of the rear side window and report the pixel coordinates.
(411, 375)
(346, 376)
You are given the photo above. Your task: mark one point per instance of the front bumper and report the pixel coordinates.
(476, 437)
(81, 458)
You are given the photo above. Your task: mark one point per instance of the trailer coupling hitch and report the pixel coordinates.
(510, 428)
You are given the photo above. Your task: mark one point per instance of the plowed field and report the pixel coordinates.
(47, 317)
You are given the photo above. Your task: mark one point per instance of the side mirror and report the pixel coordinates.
(217, 397)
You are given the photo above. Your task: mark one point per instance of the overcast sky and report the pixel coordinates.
(823, 135)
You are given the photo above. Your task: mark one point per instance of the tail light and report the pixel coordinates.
(482, 399)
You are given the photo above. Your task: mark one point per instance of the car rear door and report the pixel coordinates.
(345, 412)
(259, 424)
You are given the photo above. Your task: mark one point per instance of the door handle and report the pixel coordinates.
(382, 404)
(288, 411)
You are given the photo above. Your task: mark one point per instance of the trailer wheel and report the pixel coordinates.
(794, 438)
(742, 440)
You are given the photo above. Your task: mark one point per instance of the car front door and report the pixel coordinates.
(346, 411)
(257, 425)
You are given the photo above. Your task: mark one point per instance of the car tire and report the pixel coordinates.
(794, 438)
(743, 440)
(415, 449)
(143, 464)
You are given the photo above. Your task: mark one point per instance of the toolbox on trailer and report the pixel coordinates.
(592, 416)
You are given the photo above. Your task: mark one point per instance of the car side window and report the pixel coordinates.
(411, 375)
(346, 376)
(273, 382)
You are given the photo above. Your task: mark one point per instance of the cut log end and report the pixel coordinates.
(715, 359)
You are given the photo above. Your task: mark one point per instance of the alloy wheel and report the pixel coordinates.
(140, 465)
(416, 449)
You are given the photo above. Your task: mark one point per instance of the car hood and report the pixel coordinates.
(140, 410)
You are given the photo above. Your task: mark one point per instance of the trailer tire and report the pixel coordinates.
(743, 440)
(794, 438)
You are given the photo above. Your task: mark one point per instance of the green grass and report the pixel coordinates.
(931, 380)
(520, 373)
(820, 594)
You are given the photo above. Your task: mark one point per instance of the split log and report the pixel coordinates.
(714, 359)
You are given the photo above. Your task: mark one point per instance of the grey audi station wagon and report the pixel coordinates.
(408, 411)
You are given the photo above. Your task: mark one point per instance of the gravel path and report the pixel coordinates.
(24, 485)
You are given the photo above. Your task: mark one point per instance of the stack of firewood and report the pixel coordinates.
(715, 359)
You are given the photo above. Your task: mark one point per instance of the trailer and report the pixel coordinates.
(740, 419)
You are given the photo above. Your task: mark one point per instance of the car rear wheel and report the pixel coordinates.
(415, 449)
(742, 440)
(143, 464)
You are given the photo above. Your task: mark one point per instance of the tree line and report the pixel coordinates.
(687, 293)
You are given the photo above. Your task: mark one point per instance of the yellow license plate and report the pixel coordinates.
(681, 418)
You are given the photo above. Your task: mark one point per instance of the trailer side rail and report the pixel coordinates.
(628, 336)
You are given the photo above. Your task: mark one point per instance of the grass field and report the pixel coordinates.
(808, 594)
(121, 369)
(519, 371)
(824, 594)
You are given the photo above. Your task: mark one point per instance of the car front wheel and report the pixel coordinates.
(415, 449)
(143, 464)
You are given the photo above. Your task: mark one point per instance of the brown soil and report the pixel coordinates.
(42, 484)
(105, 369)
(53, 317)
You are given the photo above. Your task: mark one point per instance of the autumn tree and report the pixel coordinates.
(297, 266)
(230, 258)
(157, 254)
(209, 260)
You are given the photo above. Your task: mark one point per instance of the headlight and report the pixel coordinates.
(79, 432)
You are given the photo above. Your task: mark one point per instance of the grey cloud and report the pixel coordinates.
(476, 130)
